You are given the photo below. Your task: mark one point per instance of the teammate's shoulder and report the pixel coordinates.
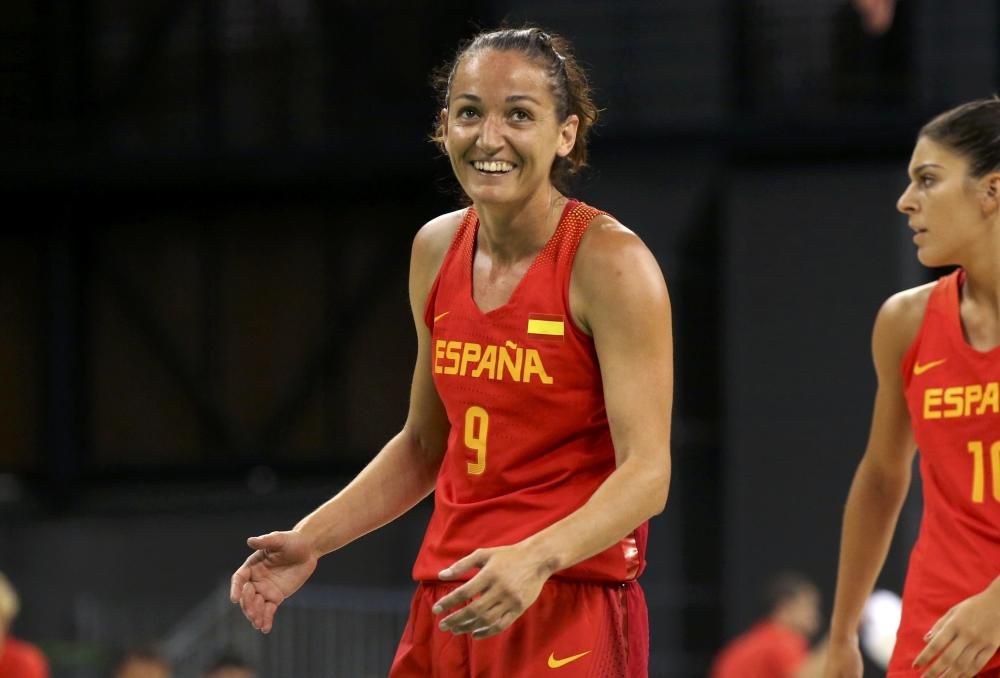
(900, 317)
(906, 308)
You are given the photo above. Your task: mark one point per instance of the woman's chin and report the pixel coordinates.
(931, 259)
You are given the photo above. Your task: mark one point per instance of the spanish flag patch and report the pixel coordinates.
(542, 325)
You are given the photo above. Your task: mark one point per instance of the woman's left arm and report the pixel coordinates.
(618, 295)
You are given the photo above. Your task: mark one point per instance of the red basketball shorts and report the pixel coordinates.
(574, 630)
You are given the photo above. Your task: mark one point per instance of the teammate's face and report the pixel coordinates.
(501, 127)
(802, 612)
(949, 210)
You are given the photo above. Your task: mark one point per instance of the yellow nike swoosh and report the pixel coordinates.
(559, 663)
(920, 369)
(438, 317)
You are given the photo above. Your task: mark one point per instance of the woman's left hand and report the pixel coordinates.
(964, 639)
(508, 582)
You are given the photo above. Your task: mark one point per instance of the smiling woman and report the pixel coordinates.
(540, 401)
(555, 82)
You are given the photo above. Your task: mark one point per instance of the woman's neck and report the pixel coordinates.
(509, 233)
(982, 274)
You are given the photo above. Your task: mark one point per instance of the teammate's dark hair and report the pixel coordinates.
(570, 86)
(784, 587)
(973, 131)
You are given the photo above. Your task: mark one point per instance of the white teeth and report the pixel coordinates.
(498, 166)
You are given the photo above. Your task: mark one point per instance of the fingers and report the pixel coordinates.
(469, 619)
(236, 583)
(250, 586)
(461, 595)
(938, 625)
(960, 660)
(242, 576)
(476, 559)
(259, 609)
(258, 599)
(502, 624)
(940, 636)
(481, 619)
(271, 541)
(489, 610)
(980, 659)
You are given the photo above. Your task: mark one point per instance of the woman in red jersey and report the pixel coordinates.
(937, 356)
(540, 403)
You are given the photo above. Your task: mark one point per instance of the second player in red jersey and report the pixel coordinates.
(937, 355)
(540, 402)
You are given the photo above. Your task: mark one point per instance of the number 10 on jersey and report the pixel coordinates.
(477, 426)
(978, 452)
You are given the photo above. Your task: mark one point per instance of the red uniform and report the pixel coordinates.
(19, 659)
(529, 441)
(768, 650)
(953, 394)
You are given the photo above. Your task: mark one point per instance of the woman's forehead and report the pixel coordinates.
(927, 151)
(503, 73)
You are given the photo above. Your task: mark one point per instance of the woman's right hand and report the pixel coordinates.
(280, 565)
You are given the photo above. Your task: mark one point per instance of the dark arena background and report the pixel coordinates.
(204, 328)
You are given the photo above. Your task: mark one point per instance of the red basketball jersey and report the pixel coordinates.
(529, 441)
(954, 403)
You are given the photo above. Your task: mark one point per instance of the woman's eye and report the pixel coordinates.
(520, 116)
(467, 113)
(926, 180)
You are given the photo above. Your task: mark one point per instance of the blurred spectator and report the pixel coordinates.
(876, 15)
(143, 663)
(872, 54)
(18, 659)
(230, 665)
(778, 645)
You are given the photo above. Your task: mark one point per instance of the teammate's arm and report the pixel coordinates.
(618, 295)
(402, 473)
(880, 483)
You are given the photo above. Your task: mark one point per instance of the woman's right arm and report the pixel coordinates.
(880, 482)
(395, 480)
(404, 471)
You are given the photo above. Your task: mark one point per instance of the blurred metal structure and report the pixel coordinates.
(321, 632)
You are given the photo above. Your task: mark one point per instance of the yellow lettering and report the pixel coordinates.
(991, 399)
(978, 474)
(978, 451)
(932, 399)
(451, 352)
(470, 354)
(509, 362)
(533, 365)
(439, 355)
(995, 466)
(476, 418)
(488, 364)
(953, 398)
(973, 394)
